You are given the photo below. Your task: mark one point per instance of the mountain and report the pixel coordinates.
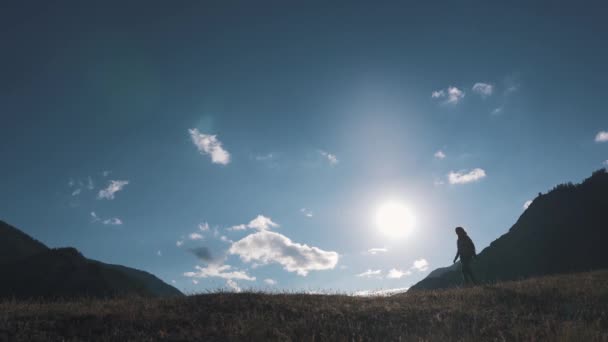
(563, 231)
(31, 269)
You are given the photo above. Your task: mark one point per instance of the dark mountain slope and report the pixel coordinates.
(30, 269)
(563, 231)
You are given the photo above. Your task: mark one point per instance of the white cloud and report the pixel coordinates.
(106, 173)
(209, 144)
(173, 281)
(269, 247)
(270, 282)
(497, 111)
(453, 95)
(195, 236)
(438, 182)
(464, 177)
(483, 89)
(605, 162)
(90, 184)
(374, 251)
(370, 274)
(203, 227)
(331, 158)
(76, 192)
(159, 253)
(601, 136)
(233, 285)
(114, 221)
(421, 265)
(438, 94)
(397, 274)
(94, 217)
(306, 212)
(527, 204)
(260, 223)
(380, 293)
(113, 187)
(179, 243)
(439, 155)
(194, 281)
(265, 157)
(219, 271)
(225, 239)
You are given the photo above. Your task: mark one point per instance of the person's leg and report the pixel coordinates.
(466, 269)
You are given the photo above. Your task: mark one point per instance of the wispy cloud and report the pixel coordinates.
(209, 144)
(464, 176)
(483, 89)
(219, 271)
(76, 192)
(94, 217)
(159, 253)
(269, 247)
(439, 155)
(261, 222)
(374, 251)
(114, 221)
(421, 265)
(452, 95)
(306, 212)
(331, 158)
(496, 111)
(179, 243)
(370, 274)
(113, 187)
(397, 274)
(601, 136)
(203, 227)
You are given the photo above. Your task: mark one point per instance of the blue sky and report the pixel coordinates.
(250, 146)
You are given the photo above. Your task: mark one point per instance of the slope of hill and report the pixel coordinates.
(30, 269)
(565, 230)
(557, 308)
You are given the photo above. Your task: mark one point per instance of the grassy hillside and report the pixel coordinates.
(557, 308)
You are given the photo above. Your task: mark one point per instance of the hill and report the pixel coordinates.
(557, 308)
(31, 269)
(562, 231)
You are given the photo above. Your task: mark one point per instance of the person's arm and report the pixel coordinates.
(456, 257)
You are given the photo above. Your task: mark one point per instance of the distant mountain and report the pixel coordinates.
(28, 268)
(563, 231)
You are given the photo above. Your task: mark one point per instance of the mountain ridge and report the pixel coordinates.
(562, 231)
(31, 269)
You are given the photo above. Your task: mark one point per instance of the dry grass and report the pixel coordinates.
(559, 308)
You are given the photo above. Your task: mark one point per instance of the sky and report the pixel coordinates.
(302, 147)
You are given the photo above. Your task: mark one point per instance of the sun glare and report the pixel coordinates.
(394, 219)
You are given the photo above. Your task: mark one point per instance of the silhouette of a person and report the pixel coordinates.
(466, 252)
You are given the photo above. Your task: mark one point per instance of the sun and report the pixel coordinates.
(394, 219)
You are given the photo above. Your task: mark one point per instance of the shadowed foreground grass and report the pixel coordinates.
(558, 308)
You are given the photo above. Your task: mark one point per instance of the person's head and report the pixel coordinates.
(460, 231)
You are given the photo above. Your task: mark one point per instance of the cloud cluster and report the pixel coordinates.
(267, 247)
(464, 176)
(260, 223)
(113, 187)
(209, 144)
(331, 158)
(453, 95)
(419, 265)
(601, 136)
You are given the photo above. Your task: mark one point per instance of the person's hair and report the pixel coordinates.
(460, 231)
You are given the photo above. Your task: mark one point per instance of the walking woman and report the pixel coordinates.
(466, 252)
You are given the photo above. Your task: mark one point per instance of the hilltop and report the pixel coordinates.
(562, 231)
(558, 308)
(29, 269)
